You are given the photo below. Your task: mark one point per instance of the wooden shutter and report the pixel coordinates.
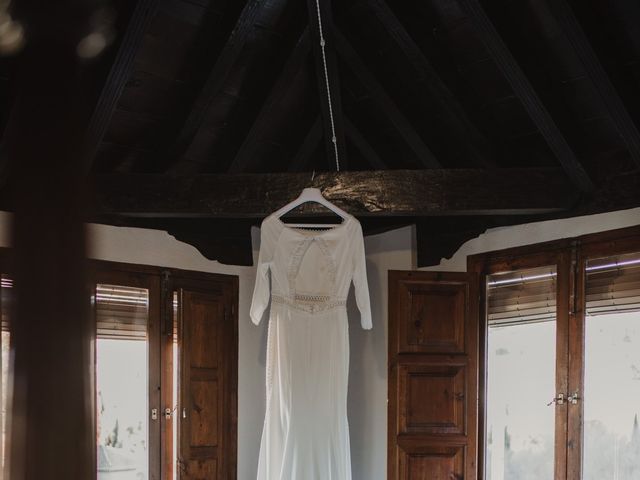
(522, 296)
(6, 300)
(207, 409)
(121, 311)
(613, 284)
(433, 365)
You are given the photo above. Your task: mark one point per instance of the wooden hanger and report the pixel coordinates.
(311, 195)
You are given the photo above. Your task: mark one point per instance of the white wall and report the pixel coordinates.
(538, 232)
(368, 369)
(149, 247)
(395, 250)
(367, 408)
(368, 366)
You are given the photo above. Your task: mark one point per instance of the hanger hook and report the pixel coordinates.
(313, 175)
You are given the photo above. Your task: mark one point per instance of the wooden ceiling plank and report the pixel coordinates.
(613, 103)
(247, 155)
(118, 77)
(427, 192)
(368, 152)
(332, 117)
(301, 161)
(527, 95)
(378, 94)
(217, 76)
(477, 143)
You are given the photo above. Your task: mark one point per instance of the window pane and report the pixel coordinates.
(122, 383)
(6, 293)
(612, 370)
(521, 346)
(5, 395)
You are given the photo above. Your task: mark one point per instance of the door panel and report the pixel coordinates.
(423, 306)
(435, 463)
(207, 343)
(433, 361)
(444, 386)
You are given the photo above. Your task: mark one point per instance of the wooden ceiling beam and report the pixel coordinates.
(570, 25)
(351, 58)
(477, 145)
(302, 160)
(361, 143)
(217, 77)
(247, 155)
(385, 193)
(523, 89)
(332, 118)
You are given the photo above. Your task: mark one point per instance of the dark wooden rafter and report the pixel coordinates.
(331, 118)
(367, 193)
(477, 146)
(367, 151)
(530, 100)
(247, 156)
(118, 77)
(351, 58)
(216, 78)
(302, 160)
(596, 72)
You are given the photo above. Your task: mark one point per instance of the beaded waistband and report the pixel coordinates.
(309, 303)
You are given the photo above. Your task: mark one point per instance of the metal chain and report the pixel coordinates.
(334, 139)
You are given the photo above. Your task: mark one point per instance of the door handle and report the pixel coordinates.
(558, 400)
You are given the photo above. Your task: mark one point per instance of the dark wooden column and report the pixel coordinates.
(52, 419)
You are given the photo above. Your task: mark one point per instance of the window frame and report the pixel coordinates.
(161, 281)
(122, 274)
(604, 244)
(570, 256)
(549, 254)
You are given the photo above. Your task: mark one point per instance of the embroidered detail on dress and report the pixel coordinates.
(309, 303)
(301, 297)
(299, 253)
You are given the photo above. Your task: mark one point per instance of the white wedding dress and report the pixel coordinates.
(306, 434)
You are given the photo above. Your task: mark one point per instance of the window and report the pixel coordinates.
(6, 289)
(521, 344)
(166, 362)
(126, 304)
(122, 382)
(560, 369)
(612, 368)
(154, 331)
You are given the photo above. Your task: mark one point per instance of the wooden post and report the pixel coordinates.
(52, 420)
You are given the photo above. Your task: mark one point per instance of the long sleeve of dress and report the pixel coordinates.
(261, 291)
(360, 280)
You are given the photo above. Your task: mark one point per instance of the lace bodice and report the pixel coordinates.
(311, 271)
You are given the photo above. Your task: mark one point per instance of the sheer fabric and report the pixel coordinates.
(306, 434)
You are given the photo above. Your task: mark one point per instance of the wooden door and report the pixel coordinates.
(433, 376)
(207, 342)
